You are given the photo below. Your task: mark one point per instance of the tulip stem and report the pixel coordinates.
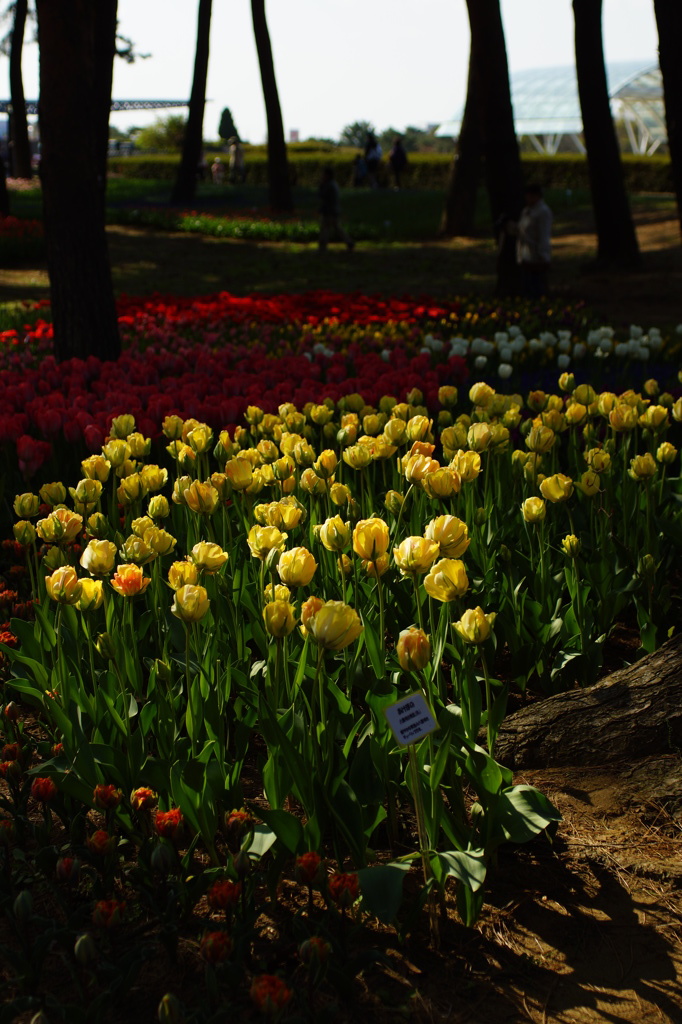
(420, 614)
(423, 838)
(491, 732)
(380, 596)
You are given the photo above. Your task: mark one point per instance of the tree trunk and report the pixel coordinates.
(669, 22)
(502, 161)
(616, 238)
(4, 194)
(465, 172)
(633, 713)
(21, 147)
(185, 186)
(279, 186)
(75, 42)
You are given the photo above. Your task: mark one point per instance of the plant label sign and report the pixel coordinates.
(410, 719)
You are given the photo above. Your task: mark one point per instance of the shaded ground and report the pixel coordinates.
(146, 261)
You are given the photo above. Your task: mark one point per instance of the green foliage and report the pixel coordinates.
(425, 170)
(166, 134)
(227, 128)
(355, 134)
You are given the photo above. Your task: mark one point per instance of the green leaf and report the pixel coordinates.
(468, 866)
(262, 839)
(382, 890)
(523, 812)
(285, 826)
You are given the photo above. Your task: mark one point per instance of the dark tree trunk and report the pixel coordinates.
(21, 147)
(4, 194)
(279, 186)
(633, 713)
(185, 186)
(616, 238)
(669, 22)
(502, 161)
(76, 51)
(465, 172)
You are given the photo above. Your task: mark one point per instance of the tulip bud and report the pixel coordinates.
(22, 908)
(413, 649)
(85, 950)
(163, 859)
(170, 1010)
(571, 545)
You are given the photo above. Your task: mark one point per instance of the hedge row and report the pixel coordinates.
(425, 170)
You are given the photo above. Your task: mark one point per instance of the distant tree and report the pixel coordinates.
(669, 23)
(355, 134)
(616, 237)
(77, 44)
(227, 129)
(12, 46)
(165, 134)
(465, 171)
(491, 110)
(185, 186)
(279, 185)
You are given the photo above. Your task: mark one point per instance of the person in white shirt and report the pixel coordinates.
(533, 243)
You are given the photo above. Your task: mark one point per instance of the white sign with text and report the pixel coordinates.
(410, 719)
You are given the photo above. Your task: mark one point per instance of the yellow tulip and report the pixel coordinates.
(540, 438)
(27, 505)
(182, 573)
(136, 550)
(208, 556)
(191, 603)
(589, 483)
(666, 453)
(643, 467)
(334, 625)
(442, 484)
(239, 472)
(99, 557)
(279, 618)
(335, 534)
(416, 555)
(92, 595)
(96, 467)
(61, 526)
(413, 649)
(479, 437)
(451, 534)
(122, 426)
(557, 487)
(571, 545)
(63, 585)
(447, 580)
(24, 533)
(202, 498)
(534, 510)
(467, 464)
(371, 538)
(158, 507)
(296, 567)
(264, 539)
(475, 626)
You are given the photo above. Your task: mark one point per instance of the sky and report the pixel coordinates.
(391, 62)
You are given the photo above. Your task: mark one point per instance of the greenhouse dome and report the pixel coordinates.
(547, 108)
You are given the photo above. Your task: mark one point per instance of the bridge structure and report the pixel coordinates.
(32, 105)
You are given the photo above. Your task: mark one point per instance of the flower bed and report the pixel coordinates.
(212, 357)
(221, 626)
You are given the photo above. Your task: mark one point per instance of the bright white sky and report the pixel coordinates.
(391, 62)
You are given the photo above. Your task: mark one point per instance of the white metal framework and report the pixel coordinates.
(547, 108)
